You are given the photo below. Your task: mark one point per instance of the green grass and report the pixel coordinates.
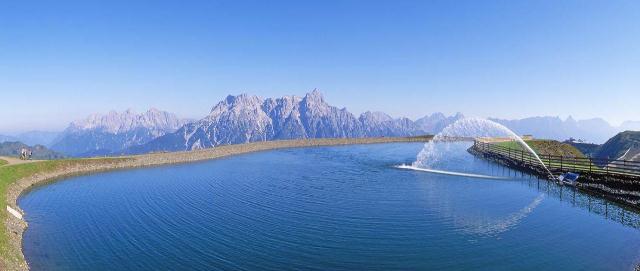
(546, 147)
(3, 162)
(555, 148)
(12, 173)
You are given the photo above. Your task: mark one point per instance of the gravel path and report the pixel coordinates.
(15, 161)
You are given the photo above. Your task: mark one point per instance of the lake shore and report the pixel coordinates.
(47, 171)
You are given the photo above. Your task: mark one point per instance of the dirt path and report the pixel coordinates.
(15, 161)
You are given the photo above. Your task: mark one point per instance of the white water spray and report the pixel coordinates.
(453, 173)
(469, 128)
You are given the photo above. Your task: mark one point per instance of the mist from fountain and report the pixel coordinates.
(467, 128)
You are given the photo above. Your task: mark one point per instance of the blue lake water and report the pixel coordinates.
(327, 208)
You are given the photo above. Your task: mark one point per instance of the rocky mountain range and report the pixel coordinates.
(248, 118)
(113, 132)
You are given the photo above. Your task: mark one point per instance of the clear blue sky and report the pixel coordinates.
(61, 60)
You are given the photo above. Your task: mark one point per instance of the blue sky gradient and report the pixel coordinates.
(62, 60)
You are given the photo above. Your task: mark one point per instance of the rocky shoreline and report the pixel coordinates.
(15, 227)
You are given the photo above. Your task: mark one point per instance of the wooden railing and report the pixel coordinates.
(559, 163)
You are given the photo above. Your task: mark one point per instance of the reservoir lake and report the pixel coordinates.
(324, 208)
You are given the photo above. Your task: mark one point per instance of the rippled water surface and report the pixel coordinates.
(329, 208)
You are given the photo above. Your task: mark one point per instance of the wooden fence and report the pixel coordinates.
(557, 163)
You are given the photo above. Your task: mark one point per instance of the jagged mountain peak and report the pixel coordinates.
(314, 97)
(239, 105)
(235, 101)
(437, 115)
(100, 134)
(242, 98)
(247, 118)
(375, 116)
(435, 122)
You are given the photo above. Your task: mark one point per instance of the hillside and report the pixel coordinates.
(547, 147)
(588, 149)
(625, 145)
(40, 152)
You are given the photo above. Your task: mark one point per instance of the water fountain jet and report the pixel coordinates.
(470, 128)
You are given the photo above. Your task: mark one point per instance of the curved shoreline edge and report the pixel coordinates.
(14, 258)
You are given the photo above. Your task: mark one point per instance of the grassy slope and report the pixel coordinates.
(589, 149)
(546, 147)
(12, 173)
(3, 162)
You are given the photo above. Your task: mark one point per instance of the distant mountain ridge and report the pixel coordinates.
(44, 138)
(435, 122)
(6, 138)
(248, 118)
(113, 132)
(592, 130)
